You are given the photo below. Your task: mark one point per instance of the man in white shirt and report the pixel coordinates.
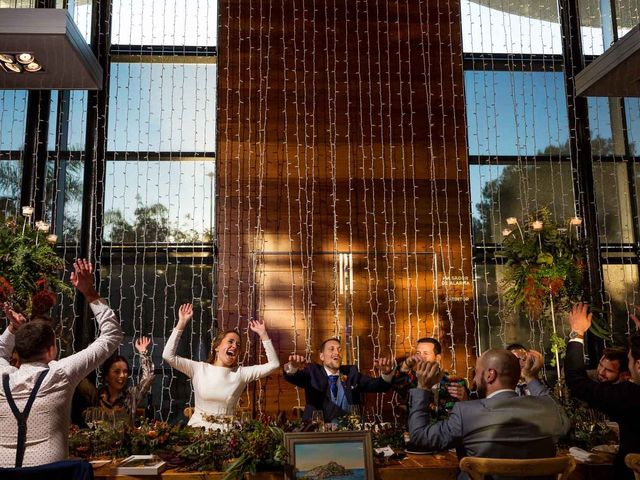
(500, 424)
(43, 434)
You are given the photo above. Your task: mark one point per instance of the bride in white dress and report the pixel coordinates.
(218, 384)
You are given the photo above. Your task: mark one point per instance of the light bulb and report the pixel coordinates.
(33, 67)
(537, 225)
(512, 221)
(6, 58)
(25, 58)
(27, 211)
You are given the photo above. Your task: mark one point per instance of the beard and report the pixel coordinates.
(481, 388)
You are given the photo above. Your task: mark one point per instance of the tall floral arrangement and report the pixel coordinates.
(544, 267)
(29, 265)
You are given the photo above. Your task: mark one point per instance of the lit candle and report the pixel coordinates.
(52, 238)
(506, 232)
(27, 211)
(42, 226)
(537, 225)
(576, 221)
(512, 221)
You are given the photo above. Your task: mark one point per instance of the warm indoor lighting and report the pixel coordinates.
(537, 225)
(42, 226)
(12, 67)
(52, 238)
(25, 58)
(512, 221)
(6, 58)
(27, 211)
(33, 67)
(576, 221)
(506, 232)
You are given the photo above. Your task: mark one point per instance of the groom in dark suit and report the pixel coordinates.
(500, 424)
(331, 387)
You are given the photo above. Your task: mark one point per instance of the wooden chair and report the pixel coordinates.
(632, 460)
(477, 467)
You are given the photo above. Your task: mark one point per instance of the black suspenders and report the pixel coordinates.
(22, 417)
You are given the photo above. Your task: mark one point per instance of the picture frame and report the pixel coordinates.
(314, 455)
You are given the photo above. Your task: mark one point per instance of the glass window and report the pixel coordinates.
(502, 191)
(591, 27)
(510, 27)
(73, 120)
(13, 117)
(64, 189)
(621, 285)
(17, 3)
(162, 107)
(516, 113)
(145, 22)
(632, 109)
(628, 15)
(615, 220)
(600, 126)
(10, 180)
(159, 201)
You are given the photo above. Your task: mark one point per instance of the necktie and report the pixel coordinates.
(333, 385)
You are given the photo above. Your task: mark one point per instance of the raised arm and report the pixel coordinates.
(381, 383)
(184, 365)
(7, 339)
(255, 372)
(78, 365)
(295, 371)
(147, 375)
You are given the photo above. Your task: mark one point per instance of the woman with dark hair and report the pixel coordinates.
(116, 393)
(218, 383)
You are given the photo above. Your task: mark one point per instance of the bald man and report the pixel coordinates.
(500, 424)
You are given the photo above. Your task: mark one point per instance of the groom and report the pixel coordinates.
(331, 387)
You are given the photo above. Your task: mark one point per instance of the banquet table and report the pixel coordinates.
(439, 466)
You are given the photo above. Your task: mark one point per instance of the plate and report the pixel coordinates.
(419, 452)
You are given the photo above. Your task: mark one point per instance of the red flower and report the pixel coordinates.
(6, 290)
(42, 301)
(42, 283)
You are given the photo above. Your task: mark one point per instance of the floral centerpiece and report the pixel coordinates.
(29, 266)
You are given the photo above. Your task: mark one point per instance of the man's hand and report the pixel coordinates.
(428, 374)
(82, 279)
(532, 364)
(579, 319)
(296, 362)
(15, 319)
(458, 391)
(258, 326)
(185, 314)
(411, 362)
(142, 344)
(384, 365)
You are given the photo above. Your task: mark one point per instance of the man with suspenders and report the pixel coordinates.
(35, 397)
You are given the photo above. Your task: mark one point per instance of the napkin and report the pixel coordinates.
(583, 456)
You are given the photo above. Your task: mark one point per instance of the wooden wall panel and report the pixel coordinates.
(341, 129)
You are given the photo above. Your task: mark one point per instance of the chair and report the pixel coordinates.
(62, 470)
(477, 467)
(632, 460)
(188, 412)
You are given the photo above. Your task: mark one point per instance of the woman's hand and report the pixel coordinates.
(259, 327)
(15, 319)
(142, 344)
(185, 314)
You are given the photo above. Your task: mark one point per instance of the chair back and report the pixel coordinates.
(62, 470)
(477, 467)
(632, 461)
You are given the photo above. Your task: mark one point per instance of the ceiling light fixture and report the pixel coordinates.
(25, 62)
(25, 58)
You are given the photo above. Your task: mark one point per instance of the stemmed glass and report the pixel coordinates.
(317, 419)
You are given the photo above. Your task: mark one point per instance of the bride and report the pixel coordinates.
(218, 383)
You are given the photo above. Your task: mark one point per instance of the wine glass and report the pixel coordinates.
(317, 418)
(89, 416)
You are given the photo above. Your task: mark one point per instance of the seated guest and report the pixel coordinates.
(331, 387)
(613, 367)
(404, 378)
(39, 391)
(219, 382)
(531, 362)
(115, 393)
(500, 424)
(618, 401)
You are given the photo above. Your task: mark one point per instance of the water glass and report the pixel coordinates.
(317, 419)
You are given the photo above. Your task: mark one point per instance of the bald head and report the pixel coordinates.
(496, 369)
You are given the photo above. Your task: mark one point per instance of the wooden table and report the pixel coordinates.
(440, 466)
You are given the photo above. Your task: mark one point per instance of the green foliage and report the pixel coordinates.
(542, 264)
(29, 264)
(559, 346)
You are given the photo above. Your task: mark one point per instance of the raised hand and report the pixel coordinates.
(532, 364)
(15, 319)
(428, 374)
(384, 365)
(185, 314)
(458, 391)
(296, 361)
(142, 344)
(579, 318)
(259, 327)
(82, 279)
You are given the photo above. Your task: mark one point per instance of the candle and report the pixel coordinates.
(42, 226)
(577, 221)
(27, 211)
(52, 238)
(506, 232)
(512, 221)
(537, 225)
